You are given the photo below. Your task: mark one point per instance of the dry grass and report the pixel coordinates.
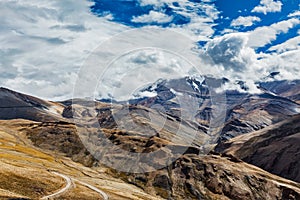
(24, 171)
(80, 192)
(5, 194)
(25, 186)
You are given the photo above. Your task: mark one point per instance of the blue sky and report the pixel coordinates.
(124, 12)
(44, 44)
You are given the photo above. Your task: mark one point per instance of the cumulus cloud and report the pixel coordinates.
(233, 55)
(132, 72)
(43, 44)
(152, 17)
(245, 21)
(231, 51)
(232, 58)
(287, 63)
(267, 6)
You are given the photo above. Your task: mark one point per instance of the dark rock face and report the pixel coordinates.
(67, 112)
(59, 137)
(275, 149)
(210, 177)
(163, 185)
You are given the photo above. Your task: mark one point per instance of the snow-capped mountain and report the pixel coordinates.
(234, 111)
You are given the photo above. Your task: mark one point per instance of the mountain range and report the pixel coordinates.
(194, 142)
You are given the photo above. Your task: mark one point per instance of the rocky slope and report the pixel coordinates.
(214, 177)
(14, 105)
(284, 88)
(255, 112)
(275, 149)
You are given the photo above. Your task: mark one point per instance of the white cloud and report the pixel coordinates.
(228, 30)
(43, 44)
(152, 17)
(266, 34)
(47, 42)
(199, 27)
(233, 55)
(230, 51)
(291, 44)
(132, 72)
(294, 14)
(108, 16)
(245, 21)
(138, 56)
(287, 63)
(267, 6)
(156, 3)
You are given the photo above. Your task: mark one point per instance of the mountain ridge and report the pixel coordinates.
(141, 127)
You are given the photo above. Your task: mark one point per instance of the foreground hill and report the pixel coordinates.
(190, 177)
(28, 172)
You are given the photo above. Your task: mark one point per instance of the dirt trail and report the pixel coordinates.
(62, 190)
(69, 186)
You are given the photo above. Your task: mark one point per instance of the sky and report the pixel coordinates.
(46, 45)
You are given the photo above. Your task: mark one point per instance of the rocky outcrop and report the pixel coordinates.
(213, 177)
(60, 137)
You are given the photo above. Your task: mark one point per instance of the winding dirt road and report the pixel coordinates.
(69, 186)
(62, 190)
(103, 194)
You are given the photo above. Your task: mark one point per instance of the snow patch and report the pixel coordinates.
(199, 78)
(175, 92)
(196, 87)
(146, 94)
(54, 110)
